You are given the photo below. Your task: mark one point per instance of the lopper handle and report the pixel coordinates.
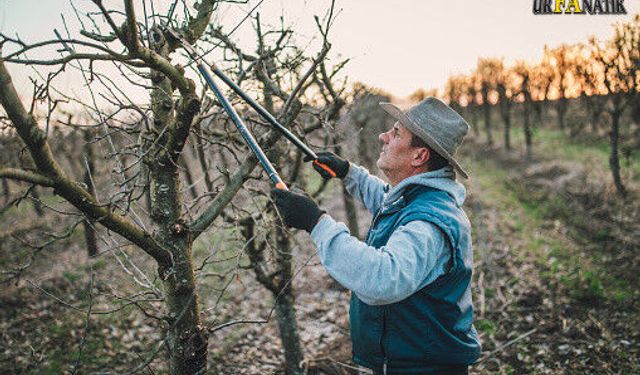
(325, 167)
(281, 186)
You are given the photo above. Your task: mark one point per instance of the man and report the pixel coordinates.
(411, 310)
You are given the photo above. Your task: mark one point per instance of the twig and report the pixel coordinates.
(504, 346)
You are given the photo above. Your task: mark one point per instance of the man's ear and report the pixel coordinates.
(421, 157)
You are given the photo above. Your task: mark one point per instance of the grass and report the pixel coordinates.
(486, 325)
(584, 275)
(557, 145)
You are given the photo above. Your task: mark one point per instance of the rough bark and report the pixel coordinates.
(288, 328)
(187, 338)
(285, 310)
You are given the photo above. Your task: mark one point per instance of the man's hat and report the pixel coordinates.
(437, 124)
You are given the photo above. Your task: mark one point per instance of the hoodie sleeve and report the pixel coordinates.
(415, 255)
(365, 187)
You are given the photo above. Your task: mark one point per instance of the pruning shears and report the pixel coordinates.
(235, 118)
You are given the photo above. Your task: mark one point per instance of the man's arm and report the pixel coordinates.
(415, 255)
(365, 187)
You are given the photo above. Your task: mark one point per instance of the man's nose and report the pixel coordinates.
(381, 137)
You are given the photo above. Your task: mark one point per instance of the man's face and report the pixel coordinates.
(397, 153)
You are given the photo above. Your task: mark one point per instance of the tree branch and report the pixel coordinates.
(198, 25)
(26, 176)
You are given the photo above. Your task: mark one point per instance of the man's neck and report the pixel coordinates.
(396, 179)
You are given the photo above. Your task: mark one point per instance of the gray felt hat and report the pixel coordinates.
(437, 124)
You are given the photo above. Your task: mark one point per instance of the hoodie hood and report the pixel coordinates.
(440, 179)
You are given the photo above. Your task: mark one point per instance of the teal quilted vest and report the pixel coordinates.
(433, 328)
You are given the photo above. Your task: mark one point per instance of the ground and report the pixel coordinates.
(555, 288)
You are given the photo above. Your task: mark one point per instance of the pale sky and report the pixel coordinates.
(397, 45)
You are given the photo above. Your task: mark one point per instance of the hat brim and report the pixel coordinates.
(396, 113)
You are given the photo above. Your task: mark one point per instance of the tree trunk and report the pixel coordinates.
(89, 168)
(473, 113)
(285, 307)
(279, 284)
(595, 117)
(561, 108)
(537, 106)
(288, 328)
(487, 123)
(595, 113)
(507, 128)
(527, 130)
(186, 337)
(614, 159)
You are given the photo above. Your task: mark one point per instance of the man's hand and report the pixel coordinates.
(298, 210)
(331, 160)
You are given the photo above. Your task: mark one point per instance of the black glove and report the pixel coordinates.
(331, 160)
(297, 209)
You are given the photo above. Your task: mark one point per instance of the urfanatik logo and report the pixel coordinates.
(603, 7)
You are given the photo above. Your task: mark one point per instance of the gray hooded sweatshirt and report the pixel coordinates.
(415, 255)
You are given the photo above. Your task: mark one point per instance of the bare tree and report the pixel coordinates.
(621, 60)
(541, 80)
(561, 59)
(487, 71)
(523, 90)
(590, 76)
(146, 142)
(504, 88)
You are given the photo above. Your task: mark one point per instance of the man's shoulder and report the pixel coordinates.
(433, 205)
(418, 195)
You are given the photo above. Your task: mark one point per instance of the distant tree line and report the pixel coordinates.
(600, 76)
